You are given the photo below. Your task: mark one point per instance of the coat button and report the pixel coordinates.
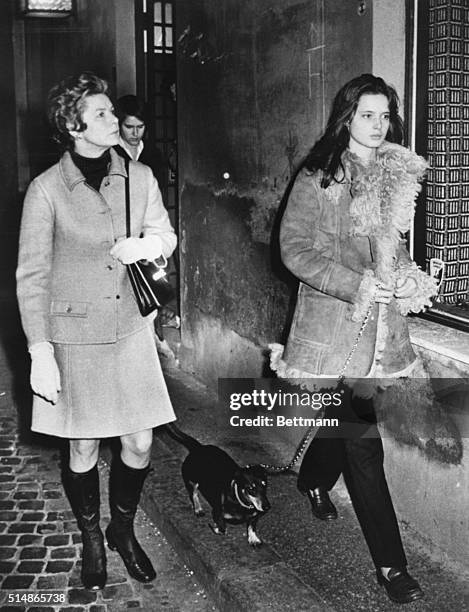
(68, 308)
(118, 297)
(109, 267)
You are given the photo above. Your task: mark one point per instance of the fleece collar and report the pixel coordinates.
(384, 191)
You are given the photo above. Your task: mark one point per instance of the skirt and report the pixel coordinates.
(108, 390)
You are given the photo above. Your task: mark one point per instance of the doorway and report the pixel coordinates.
(156, 84)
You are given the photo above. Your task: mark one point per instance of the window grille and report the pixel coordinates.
(443, 73)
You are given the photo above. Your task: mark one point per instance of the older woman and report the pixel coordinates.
(94, 368)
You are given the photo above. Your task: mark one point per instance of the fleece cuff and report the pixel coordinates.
(426, 288)
(365, 295)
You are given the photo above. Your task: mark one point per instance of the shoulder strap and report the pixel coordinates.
(127, 198)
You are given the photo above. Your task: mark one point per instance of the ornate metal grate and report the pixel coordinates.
(447, 212)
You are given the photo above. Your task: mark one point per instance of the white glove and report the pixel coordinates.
(130, 250)
(45, 375)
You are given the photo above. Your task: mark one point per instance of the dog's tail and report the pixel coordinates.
(174, 432)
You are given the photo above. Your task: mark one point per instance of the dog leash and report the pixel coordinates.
(278, 469)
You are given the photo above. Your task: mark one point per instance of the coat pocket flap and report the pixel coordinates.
(69, 309)
(317, 318)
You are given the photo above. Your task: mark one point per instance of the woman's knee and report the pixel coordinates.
(138, 443)
(83, 454)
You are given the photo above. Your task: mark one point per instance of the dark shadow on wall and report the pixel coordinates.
(278, 267)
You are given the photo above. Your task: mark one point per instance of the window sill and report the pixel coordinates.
(449, 346)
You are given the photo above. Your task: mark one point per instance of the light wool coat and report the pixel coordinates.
(70, 289)
(73, 294)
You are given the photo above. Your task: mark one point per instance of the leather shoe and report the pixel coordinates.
(321, 504)
(400, 586)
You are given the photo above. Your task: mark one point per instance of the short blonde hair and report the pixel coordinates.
(65, 104)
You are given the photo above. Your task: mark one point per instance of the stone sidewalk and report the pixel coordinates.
(305, 564)
(40, 543)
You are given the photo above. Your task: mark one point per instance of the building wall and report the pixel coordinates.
(255, 80)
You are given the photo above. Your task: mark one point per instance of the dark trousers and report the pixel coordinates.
(360, 460)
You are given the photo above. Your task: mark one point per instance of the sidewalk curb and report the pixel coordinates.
(237, 577)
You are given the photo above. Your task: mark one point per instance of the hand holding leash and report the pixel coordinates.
(383, 293)
(405, 288)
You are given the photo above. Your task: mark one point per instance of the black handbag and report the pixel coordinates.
(148, 278)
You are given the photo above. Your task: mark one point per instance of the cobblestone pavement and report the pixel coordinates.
(40, 543)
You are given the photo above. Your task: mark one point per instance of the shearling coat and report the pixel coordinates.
(339, 242)
(70, 289)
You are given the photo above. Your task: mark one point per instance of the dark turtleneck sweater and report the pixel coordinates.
(94, 169)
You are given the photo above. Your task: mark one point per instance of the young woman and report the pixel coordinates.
(342, 235)
(94, 368)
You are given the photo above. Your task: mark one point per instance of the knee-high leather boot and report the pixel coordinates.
(125, 487)
(83, 492)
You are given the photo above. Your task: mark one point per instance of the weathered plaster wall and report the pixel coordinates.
(432, 498)
(254, 80)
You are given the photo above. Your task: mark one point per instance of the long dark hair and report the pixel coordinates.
(326, 154)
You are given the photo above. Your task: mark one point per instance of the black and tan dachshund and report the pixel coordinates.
(236, 494)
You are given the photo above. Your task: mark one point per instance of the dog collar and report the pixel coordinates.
(238, 498)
